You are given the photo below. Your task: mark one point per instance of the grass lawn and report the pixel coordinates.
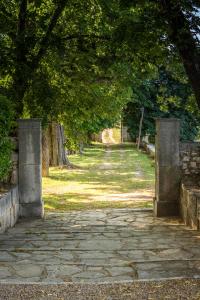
(104, 177)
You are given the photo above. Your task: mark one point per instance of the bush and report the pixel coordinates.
(6, 118)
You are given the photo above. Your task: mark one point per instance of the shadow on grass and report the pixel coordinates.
(110, 181)
(70, 201)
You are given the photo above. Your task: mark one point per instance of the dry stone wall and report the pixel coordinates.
(190, 158)
(190, 187)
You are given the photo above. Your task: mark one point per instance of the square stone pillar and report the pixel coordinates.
(30, 168)
(168, 174)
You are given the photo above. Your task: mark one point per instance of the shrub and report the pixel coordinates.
(6, 118)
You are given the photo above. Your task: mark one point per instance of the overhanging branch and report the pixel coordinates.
(45, 40)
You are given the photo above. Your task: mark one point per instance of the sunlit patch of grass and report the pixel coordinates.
(67, 203)
(100, 172)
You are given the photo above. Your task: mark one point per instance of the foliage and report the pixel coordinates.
(74, 61)
(58, 65)
(103, 110)
(163, 96)
(6, 114)
(159, 33)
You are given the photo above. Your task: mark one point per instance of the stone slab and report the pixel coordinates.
(74, 247)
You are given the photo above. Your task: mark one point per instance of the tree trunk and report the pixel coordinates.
(57, 153)
(65, 158)
(81, 146)
(45, 152)
(182, 37)
(60, 145)
(25, 68)
(54, 161)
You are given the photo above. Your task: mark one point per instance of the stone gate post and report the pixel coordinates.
(30, 168)
(168, 176)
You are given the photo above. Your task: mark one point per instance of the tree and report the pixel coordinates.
(163, 96)
(30, 29)
(158, 32)
(64, 60)
(28, 47)
(182, 21)
(55, 65)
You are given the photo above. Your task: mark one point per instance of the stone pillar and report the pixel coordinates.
(168, 174)
(30, 168)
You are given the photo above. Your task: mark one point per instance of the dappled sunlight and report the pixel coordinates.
(137, 195)
(71, 202)
(119, 177)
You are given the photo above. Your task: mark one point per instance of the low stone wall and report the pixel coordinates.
(190, 158)
(190, 188)
(9, 208)
(190, 206)
(9, 200)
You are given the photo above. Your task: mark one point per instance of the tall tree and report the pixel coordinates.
(48, 48)
(183, 23)
(25, 44)
(162, 96)
(158, 32)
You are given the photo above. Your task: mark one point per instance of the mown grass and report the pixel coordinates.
(100, 179)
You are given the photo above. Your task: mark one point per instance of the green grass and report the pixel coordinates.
(120, 177)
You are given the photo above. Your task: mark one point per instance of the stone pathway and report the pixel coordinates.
(99, 246)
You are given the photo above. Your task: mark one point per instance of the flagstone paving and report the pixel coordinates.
(109, 245)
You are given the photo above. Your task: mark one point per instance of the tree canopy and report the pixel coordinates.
(161, 97)
(78, 61)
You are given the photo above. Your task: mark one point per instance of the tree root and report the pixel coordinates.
(69, 167)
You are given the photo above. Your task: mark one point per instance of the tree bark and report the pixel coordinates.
(54, 161)
(182, 37)
(65, 158)
(45, 152)
(57, 152)
(81, 146)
